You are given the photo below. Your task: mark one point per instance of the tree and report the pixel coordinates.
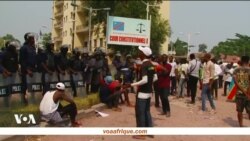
(7, 37)
(180, 47)
(127, 9)
(239, 46)
(203, 48)
(46, 38)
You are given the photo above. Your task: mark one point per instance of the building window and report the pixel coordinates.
(66, 18)
(71, 31)
(67, 6)
(101, 42)
(95, 43)
(85, 44)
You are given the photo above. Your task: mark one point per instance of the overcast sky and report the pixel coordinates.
(216, 21)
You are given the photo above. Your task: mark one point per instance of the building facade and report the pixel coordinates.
(70, 26)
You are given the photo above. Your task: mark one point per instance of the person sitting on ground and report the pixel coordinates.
(51, 109)
(110, 93)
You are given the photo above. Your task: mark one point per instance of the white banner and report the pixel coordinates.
(124, 131)
(128, 31)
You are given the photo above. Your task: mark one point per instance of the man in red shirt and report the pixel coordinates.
(164, 84)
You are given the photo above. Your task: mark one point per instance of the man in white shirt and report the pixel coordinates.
(228, 77)
(51, 109)
(183, 75)
(173, 75)
(193, 76)
(208, 76)
(217, 72)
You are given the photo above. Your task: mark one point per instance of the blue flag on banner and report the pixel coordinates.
(118, 25)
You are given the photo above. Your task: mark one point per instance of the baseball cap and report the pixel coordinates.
(146, 50)
(108, 79)
(60, 86)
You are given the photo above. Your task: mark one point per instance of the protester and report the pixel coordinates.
(145, 90)
(110, 92)
(228, 77)
(173, 75)
(193, 76)
(164, 85)
(217, 72)
(241, 77)
(221, 74)
(208, 75)
(128, 71)
(183, 78)
(155, 61)
(51, 109)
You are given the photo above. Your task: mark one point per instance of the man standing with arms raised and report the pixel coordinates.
(145, 90)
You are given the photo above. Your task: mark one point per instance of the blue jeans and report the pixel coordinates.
(142, 112)
(206, 93)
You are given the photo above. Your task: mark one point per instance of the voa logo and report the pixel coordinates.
(28, 119)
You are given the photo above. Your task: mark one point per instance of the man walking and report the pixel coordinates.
(193, 76)
(208, 76)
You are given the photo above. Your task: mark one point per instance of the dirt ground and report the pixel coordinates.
(182, 115)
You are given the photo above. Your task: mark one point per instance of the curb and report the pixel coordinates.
(81, 114)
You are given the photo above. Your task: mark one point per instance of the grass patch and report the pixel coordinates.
(7, 118)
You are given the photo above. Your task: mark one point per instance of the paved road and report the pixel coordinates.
(182, 115)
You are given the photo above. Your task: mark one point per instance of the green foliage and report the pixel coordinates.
(7, 37)
(7, 118)
(46, 38)
(239, 46)
(180, 47)
(203, 48)
(133, 9)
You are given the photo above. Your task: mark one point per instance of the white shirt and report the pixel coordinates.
(47, 104)
(174, 67)
(217, 71)
(229, 75)
(194, 66)
(184, 68)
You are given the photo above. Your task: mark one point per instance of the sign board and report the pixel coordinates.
(128, 31)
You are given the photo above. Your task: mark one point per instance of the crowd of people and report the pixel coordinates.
(161, 75)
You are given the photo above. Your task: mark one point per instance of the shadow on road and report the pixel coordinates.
(231, 122)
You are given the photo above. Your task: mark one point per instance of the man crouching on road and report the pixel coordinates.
(51, 109)
(145, 90)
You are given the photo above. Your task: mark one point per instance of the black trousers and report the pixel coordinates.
(215, 88)
(23, 88)
(226, 84)
(173, 85)
(164, 93)
(113, 99)
(192, 82)
(70, 110)
(220, 81)
(73, 86)
(157, 95)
